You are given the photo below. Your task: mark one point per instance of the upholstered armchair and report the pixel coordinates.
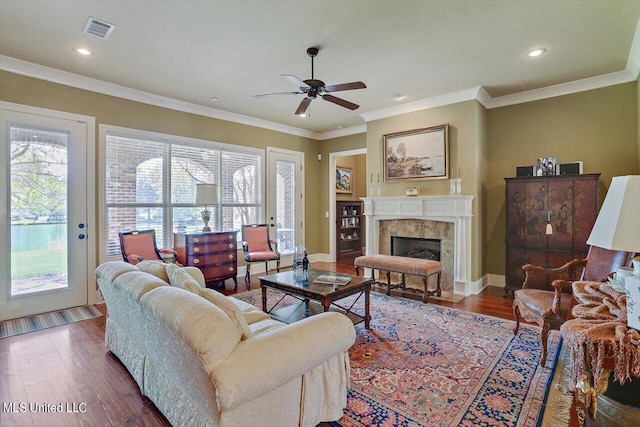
(551, 308)
(139, 245)
(257, 247)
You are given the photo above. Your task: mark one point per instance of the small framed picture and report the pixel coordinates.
(343, 180)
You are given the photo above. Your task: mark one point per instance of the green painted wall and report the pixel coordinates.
(321, 186)
(599, 127)
(466, 145)
(120, 112)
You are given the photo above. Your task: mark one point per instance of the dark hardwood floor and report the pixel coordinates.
(69, 368)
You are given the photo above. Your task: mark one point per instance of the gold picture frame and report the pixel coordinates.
(418, 154)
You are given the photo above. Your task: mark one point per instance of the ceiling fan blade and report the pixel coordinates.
(296, 81)
(345, 86)
(302, 108)
(276, 94)
(341, 102)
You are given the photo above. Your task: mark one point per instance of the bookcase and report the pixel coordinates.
(348, 229)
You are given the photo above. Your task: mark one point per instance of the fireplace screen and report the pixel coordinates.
(415, 247)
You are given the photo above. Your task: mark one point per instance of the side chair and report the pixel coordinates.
(551, 308)
(139, 245)
(257, 247)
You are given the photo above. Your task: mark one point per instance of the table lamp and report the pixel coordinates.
(617, 226)
(206, 194)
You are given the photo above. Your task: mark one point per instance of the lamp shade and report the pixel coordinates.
(618, 224)
(206, 194)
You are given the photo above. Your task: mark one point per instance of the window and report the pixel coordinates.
(150, 183)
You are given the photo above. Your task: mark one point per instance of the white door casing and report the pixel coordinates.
(74, 250)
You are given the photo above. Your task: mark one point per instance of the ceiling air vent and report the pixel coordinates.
(98, 28)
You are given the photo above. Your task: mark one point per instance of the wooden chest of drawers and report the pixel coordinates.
(214, 253)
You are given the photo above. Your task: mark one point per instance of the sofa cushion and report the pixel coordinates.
(137, 283)
(181, 279)
(157, 268)
(229, 308)
(252, 314)
(110, 270)
(204, 326)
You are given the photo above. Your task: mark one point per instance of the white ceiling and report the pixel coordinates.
(189, 51)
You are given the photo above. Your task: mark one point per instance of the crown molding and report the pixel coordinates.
(422, 104)
(633, 63)
(479, 94)
(53, 75)
(342, 132)
(569, 88)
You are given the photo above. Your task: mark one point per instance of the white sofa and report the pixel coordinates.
(209, 360)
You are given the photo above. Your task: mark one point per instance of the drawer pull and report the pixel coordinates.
(196, 240)
(196, 250)
(230, 245)
(196, 261)
(230, 237)
(230, 268)
(230, 256)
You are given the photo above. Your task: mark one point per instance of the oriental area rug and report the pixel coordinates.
(428, 365)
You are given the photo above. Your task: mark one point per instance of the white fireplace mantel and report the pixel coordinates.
(454, 209)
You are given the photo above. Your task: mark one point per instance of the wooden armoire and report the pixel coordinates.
(568, 202)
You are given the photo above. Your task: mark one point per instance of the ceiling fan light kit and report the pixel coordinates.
(313, 88)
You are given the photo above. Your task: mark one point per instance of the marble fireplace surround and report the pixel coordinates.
(425, 212)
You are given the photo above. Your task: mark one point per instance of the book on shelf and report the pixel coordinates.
(329, 279)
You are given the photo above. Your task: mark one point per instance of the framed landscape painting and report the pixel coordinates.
(417, 154)
(343, 180)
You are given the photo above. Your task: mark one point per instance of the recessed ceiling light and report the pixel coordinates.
(536, 52)
(303, 115)
(82, 51)
(399, 97)
(214, 99)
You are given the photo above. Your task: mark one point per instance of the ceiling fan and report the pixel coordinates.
(314, 88)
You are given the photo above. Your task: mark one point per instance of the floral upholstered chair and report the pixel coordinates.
(257, 247)
(139, 245)
(551, 308)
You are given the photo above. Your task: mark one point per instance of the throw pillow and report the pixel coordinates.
(181, 279)
(157, 268)
(226, 305)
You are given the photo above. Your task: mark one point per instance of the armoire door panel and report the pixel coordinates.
(535, 205)
(538, 280)
(514, 273)
(516, 215)
(586, 207)
(560, 211)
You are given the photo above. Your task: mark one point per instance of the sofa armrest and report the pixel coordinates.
(284, 354)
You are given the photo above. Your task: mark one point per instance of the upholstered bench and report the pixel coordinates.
(403, 265)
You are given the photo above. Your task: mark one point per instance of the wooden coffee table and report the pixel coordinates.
(315, 297)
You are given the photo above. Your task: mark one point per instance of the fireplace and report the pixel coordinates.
(416, 247)
(437, 217)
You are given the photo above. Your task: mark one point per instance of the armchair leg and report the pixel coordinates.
(516, 314)
(277, 266)
(266, 267)
(247, 277)
(543, 339)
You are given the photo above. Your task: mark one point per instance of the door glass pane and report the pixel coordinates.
(286, 206)
(38, 183)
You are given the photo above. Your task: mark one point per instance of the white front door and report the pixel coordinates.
(285, 185)
(43, 213)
